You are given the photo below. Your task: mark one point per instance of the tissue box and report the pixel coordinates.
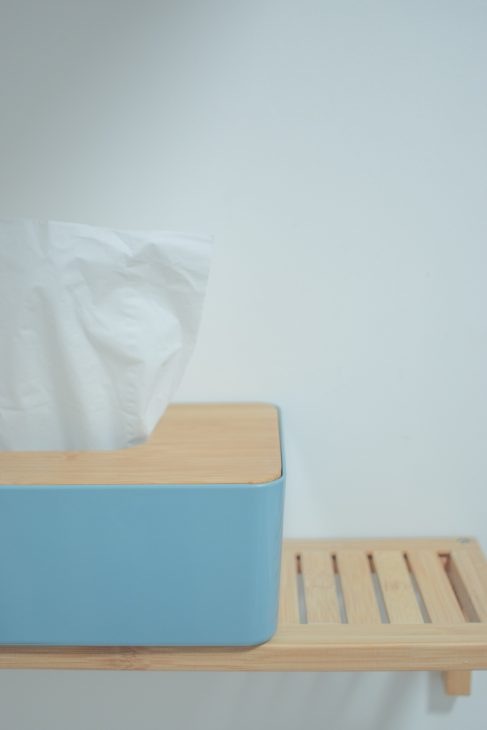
(174, 542)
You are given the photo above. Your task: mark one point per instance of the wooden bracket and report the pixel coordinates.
(457, 682)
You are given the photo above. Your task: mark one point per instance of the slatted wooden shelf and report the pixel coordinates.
(418, 604)
(346, 605)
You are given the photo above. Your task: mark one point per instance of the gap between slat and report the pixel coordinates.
(303, 614)
(339, 591)
(379, 595)
(341, 600)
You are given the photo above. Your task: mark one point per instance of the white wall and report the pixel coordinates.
(337, 152)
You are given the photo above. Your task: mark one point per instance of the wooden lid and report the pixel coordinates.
(192, 444)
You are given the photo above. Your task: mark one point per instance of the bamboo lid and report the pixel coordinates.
(192, 444)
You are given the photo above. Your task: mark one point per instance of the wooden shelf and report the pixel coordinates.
(346, 605)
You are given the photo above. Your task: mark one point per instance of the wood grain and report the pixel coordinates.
(457, 682)
(358, 591)
(468, 584)
(319, 587)
(436, 589)
(192, 444)
(397, 590)
(316, 648)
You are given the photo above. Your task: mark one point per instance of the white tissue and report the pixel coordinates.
(96, 328)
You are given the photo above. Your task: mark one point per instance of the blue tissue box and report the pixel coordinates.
(174, 542)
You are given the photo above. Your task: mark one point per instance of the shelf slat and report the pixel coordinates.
(319, 587)
(468, 584)
(397, 589)
(358, 590)
(436, 590)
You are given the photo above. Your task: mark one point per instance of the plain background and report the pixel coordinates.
(337, 152)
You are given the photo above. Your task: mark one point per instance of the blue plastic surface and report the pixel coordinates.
(140, 564)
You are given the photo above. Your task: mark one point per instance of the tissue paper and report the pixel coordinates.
(96, 328)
